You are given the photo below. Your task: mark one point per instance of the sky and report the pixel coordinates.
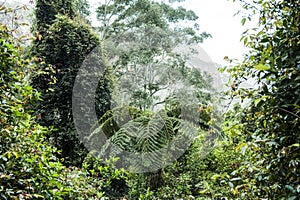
(217, 18)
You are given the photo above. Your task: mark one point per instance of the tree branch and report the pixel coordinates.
(291, 113)
(3, 3)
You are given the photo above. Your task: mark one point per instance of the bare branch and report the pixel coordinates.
(3, 3)
(291, 113)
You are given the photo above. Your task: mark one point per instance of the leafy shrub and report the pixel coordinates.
(269, 138)
(29, 168)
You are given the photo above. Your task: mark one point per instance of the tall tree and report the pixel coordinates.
(154, 84)
(63, 42)
(140, 37)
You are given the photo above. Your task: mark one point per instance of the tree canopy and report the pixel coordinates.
(158, 145)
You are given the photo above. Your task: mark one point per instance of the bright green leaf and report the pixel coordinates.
(262, 67)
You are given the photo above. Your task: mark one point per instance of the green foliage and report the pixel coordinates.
(83, 6)
(114, 181)
(195, 175)
(269, 131)
(28, 167)
(117, 17)
(46, 12)
(156, 136)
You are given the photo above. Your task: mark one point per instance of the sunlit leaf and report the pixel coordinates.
(262, 67)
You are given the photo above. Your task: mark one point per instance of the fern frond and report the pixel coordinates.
(145, 141)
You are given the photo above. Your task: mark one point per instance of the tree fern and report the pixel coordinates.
(144, 141)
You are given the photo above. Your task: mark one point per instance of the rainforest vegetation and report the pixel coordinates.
(165, 134)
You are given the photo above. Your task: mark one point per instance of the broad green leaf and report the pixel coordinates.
(262, 67)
